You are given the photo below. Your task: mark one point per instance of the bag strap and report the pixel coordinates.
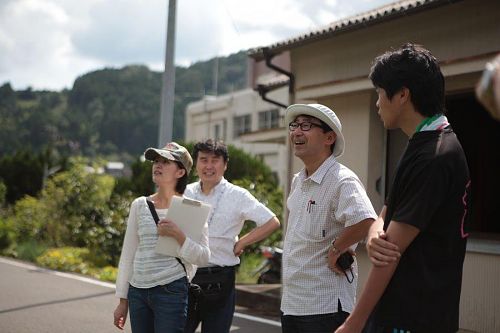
(152, 209)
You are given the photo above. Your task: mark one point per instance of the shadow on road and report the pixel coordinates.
(56, 302)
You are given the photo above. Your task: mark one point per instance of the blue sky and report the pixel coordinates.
(46, 44)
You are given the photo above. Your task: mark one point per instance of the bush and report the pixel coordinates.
(107, 273)
(28, 250)
(272, 197)
(71, 259)
(7, 233)
(3, 193)
(75, 260)
(246, 270)
(29, 220)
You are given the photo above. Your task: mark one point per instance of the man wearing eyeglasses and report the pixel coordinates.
(329, 213)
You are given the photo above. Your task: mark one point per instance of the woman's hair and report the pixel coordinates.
(415, 68)
(182, 182)
(218, 148)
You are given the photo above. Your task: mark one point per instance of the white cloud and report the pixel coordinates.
(46, 44)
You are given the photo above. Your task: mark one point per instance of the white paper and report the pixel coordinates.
(190, 216)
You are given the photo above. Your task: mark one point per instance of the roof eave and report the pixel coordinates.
(343, 26)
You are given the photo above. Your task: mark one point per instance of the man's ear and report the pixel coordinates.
(404, 95)
(331, 137)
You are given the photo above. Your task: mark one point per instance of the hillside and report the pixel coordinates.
(108, 112)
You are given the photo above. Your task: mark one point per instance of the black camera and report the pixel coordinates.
(345, 261)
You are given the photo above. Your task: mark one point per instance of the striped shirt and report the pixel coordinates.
(141, 266)
(320, 206)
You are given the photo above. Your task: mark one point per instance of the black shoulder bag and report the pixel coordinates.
(194, 289)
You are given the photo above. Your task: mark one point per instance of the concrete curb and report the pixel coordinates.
(261, 297)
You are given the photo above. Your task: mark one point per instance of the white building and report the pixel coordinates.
(235, 118)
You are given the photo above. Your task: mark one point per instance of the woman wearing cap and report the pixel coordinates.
(155, 286)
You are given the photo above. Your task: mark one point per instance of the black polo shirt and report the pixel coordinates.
(430, 193)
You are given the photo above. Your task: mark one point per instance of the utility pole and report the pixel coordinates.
(168, 87)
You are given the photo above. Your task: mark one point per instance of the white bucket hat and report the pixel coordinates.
(322, 113)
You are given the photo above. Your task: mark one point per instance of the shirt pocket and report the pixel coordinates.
(315, 225)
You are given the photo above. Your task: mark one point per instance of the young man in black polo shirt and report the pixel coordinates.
(424, 216)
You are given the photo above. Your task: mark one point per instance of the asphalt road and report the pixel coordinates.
(35, 300)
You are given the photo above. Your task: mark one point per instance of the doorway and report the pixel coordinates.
(479, 135)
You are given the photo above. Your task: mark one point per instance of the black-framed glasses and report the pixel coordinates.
(304, 126)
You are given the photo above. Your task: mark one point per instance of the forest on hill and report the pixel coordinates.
(111, 113)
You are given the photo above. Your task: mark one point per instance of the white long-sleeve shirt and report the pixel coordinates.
(140, 266)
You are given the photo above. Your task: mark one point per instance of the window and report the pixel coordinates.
(242, 125)
(218, 132)
(269, 119)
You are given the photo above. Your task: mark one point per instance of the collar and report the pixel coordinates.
(436, 122)
(217, 188)
(320, 173)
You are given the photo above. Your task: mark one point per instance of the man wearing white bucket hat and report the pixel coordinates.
(329, 214)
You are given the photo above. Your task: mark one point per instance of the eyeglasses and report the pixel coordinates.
(304, 126)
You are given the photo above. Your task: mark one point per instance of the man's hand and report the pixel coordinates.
(238, 249)
(345, 328)
(380, 251)
(333, 255)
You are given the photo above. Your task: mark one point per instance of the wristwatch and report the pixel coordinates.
(334, 249)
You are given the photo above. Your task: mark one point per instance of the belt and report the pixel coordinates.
(214, 269)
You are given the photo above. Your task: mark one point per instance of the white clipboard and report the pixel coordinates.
(190, 216)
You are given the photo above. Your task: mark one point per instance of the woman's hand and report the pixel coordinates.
(120, 314)
(170, 229)
(380, 251)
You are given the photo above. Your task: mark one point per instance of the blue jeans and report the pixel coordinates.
(215, 316)
(159, 309)
(321, 323)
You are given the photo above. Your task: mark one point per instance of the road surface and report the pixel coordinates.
(36, 300)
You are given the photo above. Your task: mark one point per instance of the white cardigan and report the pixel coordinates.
(141, 266)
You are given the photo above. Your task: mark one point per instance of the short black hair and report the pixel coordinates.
(326, 128)
(217, 147)
(414, 67)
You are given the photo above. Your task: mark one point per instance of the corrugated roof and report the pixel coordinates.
(362, 20)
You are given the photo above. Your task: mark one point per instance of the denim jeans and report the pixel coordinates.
(321, 323)
(214, 317)
(159, 309)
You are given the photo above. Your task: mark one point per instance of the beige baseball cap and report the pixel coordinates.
(173, 152)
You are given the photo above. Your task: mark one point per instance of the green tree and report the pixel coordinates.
(22, 174)
(241, 166)
(243, 170)
(76, 208)
(272, 197)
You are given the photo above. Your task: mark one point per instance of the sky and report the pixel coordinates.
(47, 44)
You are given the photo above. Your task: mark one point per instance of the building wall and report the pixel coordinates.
(202, 117)
(463, 36)
(463, 30)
